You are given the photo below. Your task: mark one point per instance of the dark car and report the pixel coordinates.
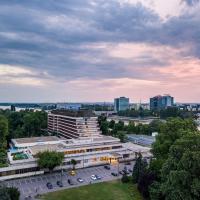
(121, 172)
(98, 177)
(107, 167)
(126, 171)
(49, 186)
(130, 170)
(70, 182)
(114, 174)
(59, 183)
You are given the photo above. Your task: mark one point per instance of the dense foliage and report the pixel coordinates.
(25, 123)
(176, 161)
(19, 124)
(7, 193)
(50, 159)
(162, 113)
(3, 142)
(136, 113)
(173, 173)
(180, 175)
(139, 168)
(120, 130)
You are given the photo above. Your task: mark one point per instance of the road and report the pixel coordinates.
(33, 185)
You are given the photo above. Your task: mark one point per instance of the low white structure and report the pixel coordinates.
(88, 151)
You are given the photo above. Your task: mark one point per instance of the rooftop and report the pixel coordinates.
(72, 113)
(35, 139)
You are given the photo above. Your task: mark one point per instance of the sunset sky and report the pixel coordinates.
(96, 50)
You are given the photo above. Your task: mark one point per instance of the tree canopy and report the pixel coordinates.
(9, 193)
(50, 159)
(181, 173)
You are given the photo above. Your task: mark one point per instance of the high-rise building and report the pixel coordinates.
(121, 103)
(161, 102)
(73, 124)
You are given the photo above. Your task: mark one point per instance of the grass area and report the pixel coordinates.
(114, 190)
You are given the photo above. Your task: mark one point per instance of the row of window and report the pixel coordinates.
(91, 150)
(19, 171)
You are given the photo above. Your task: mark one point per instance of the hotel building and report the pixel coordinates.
(88, 148)
(73, 124)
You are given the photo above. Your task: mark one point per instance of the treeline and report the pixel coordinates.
(17, 125)
(163, 113)
(25, 123)
(173, 172)
(120, 129)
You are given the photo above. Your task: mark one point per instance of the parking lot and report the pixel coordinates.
(34, 185)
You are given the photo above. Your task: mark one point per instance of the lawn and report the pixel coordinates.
(114, 190)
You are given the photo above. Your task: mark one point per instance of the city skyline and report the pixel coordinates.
(96, 50)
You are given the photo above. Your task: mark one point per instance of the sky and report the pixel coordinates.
(96, 50)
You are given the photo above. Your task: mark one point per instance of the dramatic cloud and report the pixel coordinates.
(97, 49)
(191, 2)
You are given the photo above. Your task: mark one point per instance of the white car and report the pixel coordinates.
(93, 177)
(80, 180)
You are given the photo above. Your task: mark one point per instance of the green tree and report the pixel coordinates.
(125, 178)
(145, 181)
(14, 193)
(180, 176)
(4, 194)
(139, 168)
(112, 124)
(131, 128)
(173, 129)
(3, 131)
(121, 135)
(74, 163)
(7, 193)
(104, 125)
(50, 159)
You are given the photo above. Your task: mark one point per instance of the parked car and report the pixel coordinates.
(114, 174)
(70, 181)
(121, 172)
(59, 183)
(72, 173)
(107, 167)
(49, 186)
(128, 163)
(126, 171)
(93, 177)
(98, 177)
(80, 180)
(130, 170)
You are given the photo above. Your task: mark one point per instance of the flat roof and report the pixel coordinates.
(136, 148)
(35, 139)
(47, 147)
(72, 113)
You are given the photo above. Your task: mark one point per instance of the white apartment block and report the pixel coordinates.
(73, 124)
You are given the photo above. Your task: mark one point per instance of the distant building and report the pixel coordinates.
(121, 103)
(12, 108)
(161, 102)
(188, 106)
(69, 106)
(137, 106)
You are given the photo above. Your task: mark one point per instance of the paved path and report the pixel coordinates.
(37, 184)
